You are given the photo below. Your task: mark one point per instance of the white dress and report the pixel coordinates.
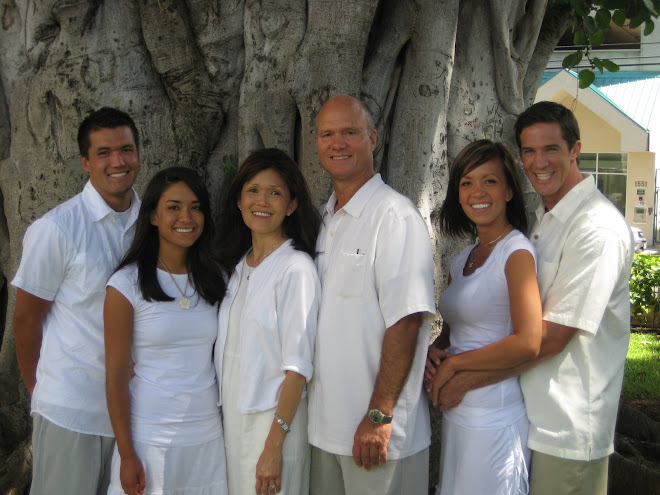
(175, 421)
(484, 438)
(246, 431)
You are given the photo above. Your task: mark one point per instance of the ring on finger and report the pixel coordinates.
(272, 486)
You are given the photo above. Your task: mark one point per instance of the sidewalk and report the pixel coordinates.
(653, 250)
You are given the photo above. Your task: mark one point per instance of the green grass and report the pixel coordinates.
(641, 379)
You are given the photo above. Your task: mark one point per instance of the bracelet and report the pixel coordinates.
(283, 424)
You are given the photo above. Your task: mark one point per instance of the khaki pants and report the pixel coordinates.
(65, 461)
(554, 475)
(338, 475)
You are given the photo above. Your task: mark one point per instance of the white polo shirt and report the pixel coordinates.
(376, 266)
(585, 253)
(68, 256)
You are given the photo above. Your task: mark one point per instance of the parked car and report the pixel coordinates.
(640, 240)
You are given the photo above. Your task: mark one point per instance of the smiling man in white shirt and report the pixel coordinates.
(68, 256)
(368, 421)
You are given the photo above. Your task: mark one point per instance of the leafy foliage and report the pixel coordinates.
(229, 163)
(590, 20)
(644, 288)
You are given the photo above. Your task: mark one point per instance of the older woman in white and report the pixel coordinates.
(267, 325)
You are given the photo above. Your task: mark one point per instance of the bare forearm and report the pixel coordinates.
(462, 382)
(28, 320)
(28, 346)
(396, 360)
(287, 406)
(118, 398)
(507, 353)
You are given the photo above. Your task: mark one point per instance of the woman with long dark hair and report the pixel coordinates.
(161, 314)
(491, 320)
(267, 325)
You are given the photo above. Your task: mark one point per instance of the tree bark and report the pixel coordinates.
(209, 81)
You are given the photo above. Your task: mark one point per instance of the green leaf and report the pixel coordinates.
(580, 7)
(619, 17)
(636, 21)
(597, 38)
(609, 65)
(579, 38)
(589, 24)
(586, 77)
(603, 18)
(648, 27)
(598, 63)
(572, 60)
(649, 5)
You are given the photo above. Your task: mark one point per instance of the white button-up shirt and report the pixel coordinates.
(584, 249)
(376, 267)
(68, 256)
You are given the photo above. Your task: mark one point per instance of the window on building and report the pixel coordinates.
(616, 38)
(611, 171)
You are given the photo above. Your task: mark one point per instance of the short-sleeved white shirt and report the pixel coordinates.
(278, 325)
(68, 256)
(584, 249)
(376, 267)
(174, 394)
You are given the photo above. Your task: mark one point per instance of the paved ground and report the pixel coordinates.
(655, 249)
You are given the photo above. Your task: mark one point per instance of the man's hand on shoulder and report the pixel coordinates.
(370, 443)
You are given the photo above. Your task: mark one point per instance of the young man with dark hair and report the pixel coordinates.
(68, 256)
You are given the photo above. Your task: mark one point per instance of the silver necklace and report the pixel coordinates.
(184, 302)
(476, 258)
(260, 259)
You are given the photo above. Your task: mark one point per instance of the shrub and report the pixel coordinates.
(644, 288)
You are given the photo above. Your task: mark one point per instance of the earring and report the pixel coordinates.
(288, 214)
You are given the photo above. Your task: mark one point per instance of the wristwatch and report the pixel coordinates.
(377, 416)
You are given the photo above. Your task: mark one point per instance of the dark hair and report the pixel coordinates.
(105, 118)
(302, 226)
(205, 272)
(548, 112)
(453, 220)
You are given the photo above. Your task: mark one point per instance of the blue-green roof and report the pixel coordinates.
(632, 93)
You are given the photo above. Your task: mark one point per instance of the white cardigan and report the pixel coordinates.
(278, 325)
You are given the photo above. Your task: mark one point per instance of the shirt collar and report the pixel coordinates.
(359, 200)
(99, 209)
(567, 205)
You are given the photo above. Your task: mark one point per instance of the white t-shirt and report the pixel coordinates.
(278, 325)
(478, 311)
(174, 393)
(68, 255)
(376, 267)
(585, 253)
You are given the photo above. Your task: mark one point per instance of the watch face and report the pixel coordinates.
(376, 416)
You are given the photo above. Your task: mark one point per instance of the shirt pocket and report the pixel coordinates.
(547, 272)
(350, 272)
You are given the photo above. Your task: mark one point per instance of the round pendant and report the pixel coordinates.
(184, 303)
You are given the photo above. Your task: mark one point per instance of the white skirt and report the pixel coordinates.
(475, 461)
(187, 470)
(245, 436)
